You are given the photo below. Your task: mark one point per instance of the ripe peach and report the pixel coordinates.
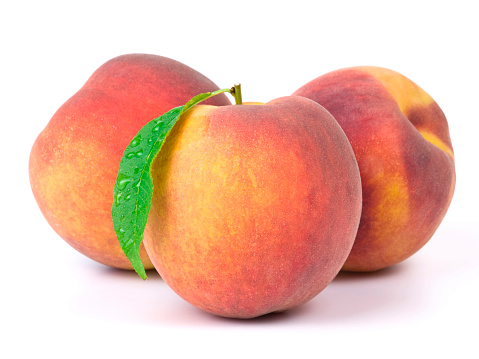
(255, 207)
(74, 161)
(401, 141)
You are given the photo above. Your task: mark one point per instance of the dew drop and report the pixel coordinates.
(122, 181)
(120, 233)
(118, 199)
(156, 128)
(136, 141)
(130, 155)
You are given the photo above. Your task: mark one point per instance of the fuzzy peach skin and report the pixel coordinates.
(255, 208)
(74, 161)
(401, 141)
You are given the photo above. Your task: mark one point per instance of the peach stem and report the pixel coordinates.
(236, 92)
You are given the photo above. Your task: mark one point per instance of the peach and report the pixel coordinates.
(402, 144)
(74, 161)
(255, 207)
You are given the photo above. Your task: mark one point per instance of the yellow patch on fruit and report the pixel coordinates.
(392, 208)
(407, 95)
(436, 141)
(253, 103)
(405, 92)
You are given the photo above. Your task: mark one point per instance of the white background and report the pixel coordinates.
(56, 303)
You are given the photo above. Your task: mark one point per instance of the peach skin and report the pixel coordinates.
(74, 161)
(402, 144)
(255, 208)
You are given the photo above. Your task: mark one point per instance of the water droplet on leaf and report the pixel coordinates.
(130, 155)
(136, 141)
(122, 181)
(121, 233)
(118, 199)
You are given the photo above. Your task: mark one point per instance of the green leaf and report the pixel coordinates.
(134, 187)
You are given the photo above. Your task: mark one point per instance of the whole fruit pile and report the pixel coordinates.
(246, 209)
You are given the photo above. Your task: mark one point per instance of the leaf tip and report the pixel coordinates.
(142, 273)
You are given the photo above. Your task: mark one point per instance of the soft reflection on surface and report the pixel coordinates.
(410, 291)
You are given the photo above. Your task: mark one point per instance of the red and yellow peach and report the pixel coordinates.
(402, 144)
(255, 208)
(74, 161)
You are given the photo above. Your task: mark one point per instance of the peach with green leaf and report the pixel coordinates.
(254, 208)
